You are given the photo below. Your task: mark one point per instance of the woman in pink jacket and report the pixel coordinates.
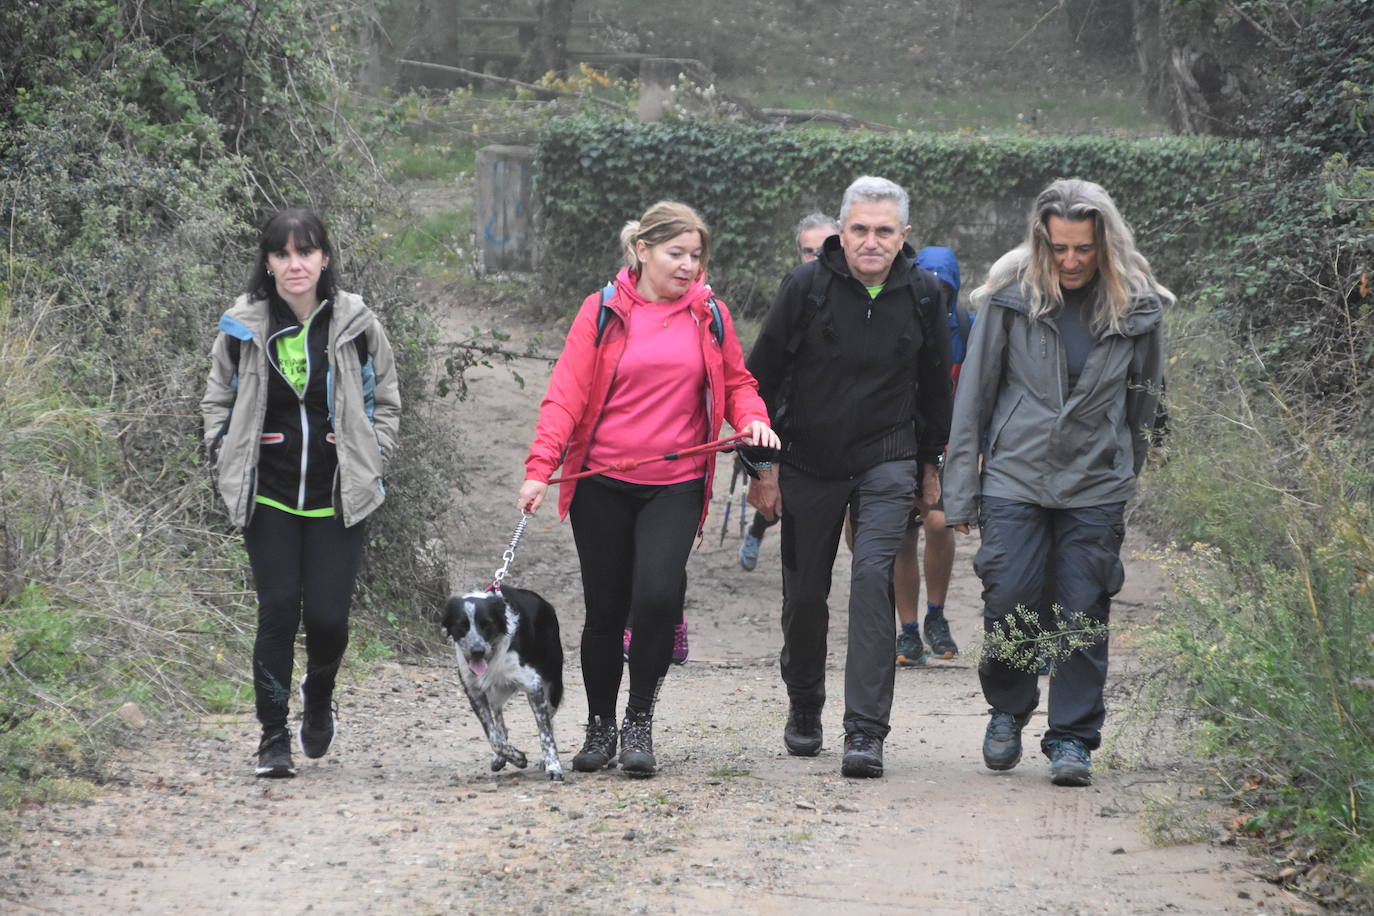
(656, 374)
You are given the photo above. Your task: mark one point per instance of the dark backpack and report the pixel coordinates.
(816, 306)
(603, 315)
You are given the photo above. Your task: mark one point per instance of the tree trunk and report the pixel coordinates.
(549, 52)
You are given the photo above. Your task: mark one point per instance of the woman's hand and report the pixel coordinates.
(760, 434)
(531, 496)
(962, 529)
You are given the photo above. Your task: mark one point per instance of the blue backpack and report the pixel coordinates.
(603, 315)
(945, 266)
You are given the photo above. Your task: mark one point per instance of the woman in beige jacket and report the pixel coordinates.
(301, 411)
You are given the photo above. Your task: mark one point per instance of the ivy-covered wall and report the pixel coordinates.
(751, 185)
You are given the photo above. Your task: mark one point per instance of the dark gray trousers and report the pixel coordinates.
(813, 518)
(1043, 560)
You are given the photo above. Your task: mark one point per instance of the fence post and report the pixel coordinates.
(504, 208)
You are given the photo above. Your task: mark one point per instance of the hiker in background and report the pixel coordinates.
(812, 232)
(651, 366)
(1056, 397)
(929, 518)
(301, 412)
(852, 444)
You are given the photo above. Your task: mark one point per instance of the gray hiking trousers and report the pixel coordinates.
(813, 518)
(1064, 561)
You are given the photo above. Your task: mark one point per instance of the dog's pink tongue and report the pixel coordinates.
(478, 666)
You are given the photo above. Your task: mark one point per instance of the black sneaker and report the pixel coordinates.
(637, 744)
(863, 755)
(598, 751)
(802, 733)
(942, 644)
(274, 754)
(316, 733)
(1002, 740)
(1070, 762)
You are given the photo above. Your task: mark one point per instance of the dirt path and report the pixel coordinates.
(404, 817)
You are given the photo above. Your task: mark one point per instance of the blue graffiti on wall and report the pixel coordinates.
(511, 191)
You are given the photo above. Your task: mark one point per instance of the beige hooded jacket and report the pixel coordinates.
(365, 409)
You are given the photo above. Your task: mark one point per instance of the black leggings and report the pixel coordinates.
(303, 568)
(632, 543)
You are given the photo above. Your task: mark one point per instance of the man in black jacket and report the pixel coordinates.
(853, 361)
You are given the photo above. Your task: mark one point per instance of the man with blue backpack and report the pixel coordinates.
(930, 517)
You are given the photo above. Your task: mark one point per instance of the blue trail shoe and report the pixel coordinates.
(749, 552)
(942, 644)
(910, 652)
(1070, 762)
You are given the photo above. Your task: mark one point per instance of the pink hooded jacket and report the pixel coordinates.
(582, 378)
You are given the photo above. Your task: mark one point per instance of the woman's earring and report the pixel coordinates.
(269, 272)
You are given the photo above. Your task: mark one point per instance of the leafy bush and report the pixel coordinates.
(751, 185)
(140, 146)
(1271, 637)
(1272, 461)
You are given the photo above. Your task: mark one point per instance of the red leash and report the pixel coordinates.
(719, 445)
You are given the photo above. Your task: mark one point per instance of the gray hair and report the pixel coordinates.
(876, 190)
(816, 220)
(1123, 272)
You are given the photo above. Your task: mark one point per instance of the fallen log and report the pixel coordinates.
(540, 92)
(824, 115)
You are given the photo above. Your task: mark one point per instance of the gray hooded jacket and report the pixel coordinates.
(1040, 442)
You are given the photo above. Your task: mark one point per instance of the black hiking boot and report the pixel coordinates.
(274, 754)
(637, 744)
(598, 751)
(863, 756)
(802, 733)
(1002, 740)
(316, 733)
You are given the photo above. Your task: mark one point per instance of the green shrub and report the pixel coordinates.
(1271, 634)
(751, 185)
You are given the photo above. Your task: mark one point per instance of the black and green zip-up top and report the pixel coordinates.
(297, 460)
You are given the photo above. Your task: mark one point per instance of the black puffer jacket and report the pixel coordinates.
(856, 381)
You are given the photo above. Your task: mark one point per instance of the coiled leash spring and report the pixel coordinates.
(509, 554)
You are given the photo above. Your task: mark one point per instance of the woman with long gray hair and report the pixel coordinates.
(1056, 395)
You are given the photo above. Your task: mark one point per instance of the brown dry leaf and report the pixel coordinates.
(1238, 823)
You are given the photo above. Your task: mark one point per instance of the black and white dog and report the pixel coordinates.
(508, 640)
